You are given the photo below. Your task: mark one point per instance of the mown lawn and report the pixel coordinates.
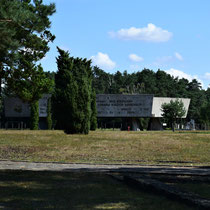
(85, 191)
(162, 147)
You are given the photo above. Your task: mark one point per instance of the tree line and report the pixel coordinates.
(25, 36)
(160, 84)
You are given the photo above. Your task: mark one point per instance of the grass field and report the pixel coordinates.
(123, 147)
(54, 190)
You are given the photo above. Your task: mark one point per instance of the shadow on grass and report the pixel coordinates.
(56, 190)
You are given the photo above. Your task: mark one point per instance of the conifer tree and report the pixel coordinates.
(93, 118)
(72, 97)
(24, 28)
(49, 114)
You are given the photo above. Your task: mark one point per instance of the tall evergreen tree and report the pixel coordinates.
(72, 96)
(49, 114)
(93, 117)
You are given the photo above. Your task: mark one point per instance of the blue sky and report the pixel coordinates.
(173, 36)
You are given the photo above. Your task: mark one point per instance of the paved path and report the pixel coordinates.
(65, 167)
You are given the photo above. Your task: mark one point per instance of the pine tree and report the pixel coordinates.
(24, 26)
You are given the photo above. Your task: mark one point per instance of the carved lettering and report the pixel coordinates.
(110, 105)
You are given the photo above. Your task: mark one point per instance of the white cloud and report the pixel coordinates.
(207, 76)
(178, 56)
(135, 58)
(151, 33)
(103, 61)
(181, 74)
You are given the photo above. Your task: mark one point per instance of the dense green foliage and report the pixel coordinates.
(25, 35)
(72, 96)
(205, 114)
(172, 111)
(29, 83)
(159, 83)
(93, 117)
(24, 27)
(24, 38)
(34, 121)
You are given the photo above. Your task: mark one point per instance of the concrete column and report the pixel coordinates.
(135, 124)
(155, 124)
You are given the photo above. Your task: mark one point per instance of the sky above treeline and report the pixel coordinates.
(131, 35)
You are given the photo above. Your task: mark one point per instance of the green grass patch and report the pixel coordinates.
(38, 190)
(180, 148)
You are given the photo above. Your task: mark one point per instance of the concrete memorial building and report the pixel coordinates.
(135, 106)
(17, 113)
(130, 107)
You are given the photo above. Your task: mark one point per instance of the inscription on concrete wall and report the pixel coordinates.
(114, 105)
(14, 107)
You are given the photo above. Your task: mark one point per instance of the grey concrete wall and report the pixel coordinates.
(118, 105)
(14, 107)
(158, 101)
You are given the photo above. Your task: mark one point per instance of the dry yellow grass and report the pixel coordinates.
(107, 147)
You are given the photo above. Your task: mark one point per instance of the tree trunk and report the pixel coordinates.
(173, 126)
(34, 122)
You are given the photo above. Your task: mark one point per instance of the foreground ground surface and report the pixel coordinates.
(37, 190)
(118, 147)
(37, 185)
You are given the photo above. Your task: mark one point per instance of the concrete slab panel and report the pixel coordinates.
(118, 105)
(158, 101)
(14, 107)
